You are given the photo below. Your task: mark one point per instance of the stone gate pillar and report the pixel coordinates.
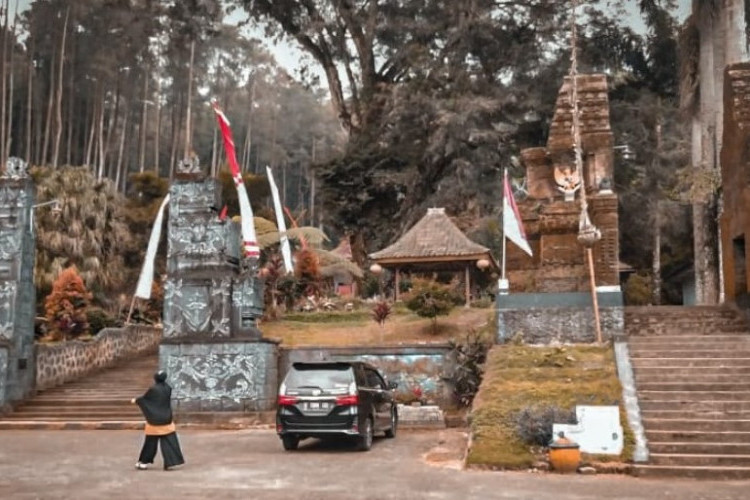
(17, 293)
(212, 350)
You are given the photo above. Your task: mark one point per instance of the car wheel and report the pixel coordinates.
(290, 442)
(365, 440)
(391, 432)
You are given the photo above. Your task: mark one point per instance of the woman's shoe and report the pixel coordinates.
(140, 466)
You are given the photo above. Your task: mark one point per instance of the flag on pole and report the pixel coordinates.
(143, 290)
(249, 240)
(286, 251)
(512, 225)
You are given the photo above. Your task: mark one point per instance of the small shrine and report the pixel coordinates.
(436, 244)
(552, 209)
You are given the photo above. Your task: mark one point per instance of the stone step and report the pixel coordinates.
(678, 371)
(74, 418)
(674, 436)
(705, 425)
(691, 414)
(693, 386)
(9, 425)
(695, 472)
(677, 346)
(691, 353)
(698, 337)
(93, 402)
(693, 396)
(690, 362)
(687, 406)
(645, 380)
(90, 410)
(699, 460)
(699, 448)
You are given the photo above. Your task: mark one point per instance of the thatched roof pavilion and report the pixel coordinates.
(436, 244)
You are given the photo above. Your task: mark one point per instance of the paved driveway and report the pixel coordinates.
(252, 465)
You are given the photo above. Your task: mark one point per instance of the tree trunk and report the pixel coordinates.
(58, 113)
(48, 121)
(29, 101)
(188, 132)
(704, 225)
(144, 110)
(4, 77)
(157, 125)
(120, 150)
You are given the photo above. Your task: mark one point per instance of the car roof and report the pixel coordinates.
(337, 364)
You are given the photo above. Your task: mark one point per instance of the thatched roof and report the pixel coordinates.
(435, 238)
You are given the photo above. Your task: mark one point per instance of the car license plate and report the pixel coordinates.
(317, 405)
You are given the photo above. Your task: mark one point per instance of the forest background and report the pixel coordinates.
(404, 106)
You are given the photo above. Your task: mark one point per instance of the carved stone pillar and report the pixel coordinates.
(214, 355)
(17, 293)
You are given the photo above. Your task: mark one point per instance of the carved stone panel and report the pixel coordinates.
(7, 308)
(197, 308)
(247, 306)
(3, 371)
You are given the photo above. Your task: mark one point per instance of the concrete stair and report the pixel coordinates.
(692, 374)
(98, 401)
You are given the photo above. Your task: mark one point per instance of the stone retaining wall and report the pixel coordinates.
(426, 367)
(547, 318)
(65, 361)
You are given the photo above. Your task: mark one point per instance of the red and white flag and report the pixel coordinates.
(249, 240)
(512, 225)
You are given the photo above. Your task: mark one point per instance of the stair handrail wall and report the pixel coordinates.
(71, 360)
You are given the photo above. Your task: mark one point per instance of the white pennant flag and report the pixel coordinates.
(512, 225)
(143, 290)
(286, 251)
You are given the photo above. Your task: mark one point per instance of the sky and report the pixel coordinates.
(289, 56)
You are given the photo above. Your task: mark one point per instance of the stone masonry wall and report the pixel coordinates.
(66, 361)
(411, 367)
(221, 376)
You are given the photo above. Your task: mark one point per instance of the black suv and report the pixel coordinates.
(335, 399)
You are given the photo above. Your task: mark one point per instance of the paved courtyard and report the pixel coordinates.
(251, 464)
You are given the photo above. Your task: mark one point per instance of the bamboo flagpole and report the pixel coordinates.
(588, 234)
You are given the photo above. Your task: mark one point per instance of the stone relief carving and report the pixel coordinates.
(568, 181)
(193, 196)
(7, 303)
(12, 197)
(216, 376)
(16, 168)
(189, 165)
(196, 239)
(10, 245)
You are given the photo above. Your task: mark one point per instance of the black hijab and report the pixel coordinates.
(155, 404)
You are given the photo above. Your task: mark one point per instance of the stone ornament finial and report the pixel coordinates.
(189, 165)
(16, 168)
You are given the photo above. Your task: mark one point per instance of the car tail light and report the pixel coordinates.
(287, 400)
(351, 399)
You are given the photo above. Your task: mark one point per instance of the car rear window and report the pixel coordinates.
(323, 377)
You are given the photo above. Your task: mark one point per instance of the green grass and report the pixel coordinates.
(517, 377)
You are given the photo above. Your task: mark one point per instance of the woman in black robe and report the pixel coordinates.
(160, 429)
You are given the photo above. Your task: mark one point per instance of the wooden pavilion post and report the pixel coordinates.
(467, 277)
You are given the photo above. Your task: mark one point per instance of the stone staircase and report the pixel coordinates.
(692, 374)
(98, 401)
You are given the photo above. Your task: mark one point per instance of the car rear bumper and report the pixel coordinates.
(317, 426)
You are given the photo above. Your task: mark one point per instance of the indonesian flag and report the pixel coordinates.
(143, 289)
(286, 251)
(249, 240)
(512, 226)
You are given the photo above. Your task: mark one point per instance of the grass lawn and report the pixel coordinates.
(517, 377)
(358, 328)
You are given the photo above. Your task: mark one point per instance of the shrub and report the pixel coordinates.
(66, 306)
(429, 300)
(380, 312)
(638, 290)
(99, 319)
(470, 356)
(534, 423)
